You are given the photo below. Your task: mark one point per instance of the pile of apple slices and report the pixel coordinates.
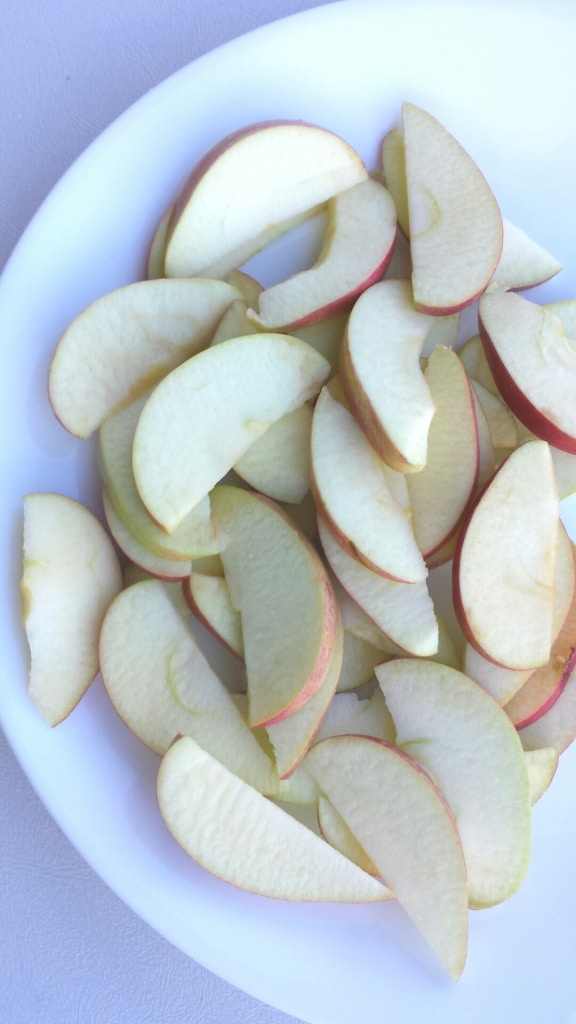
(363, 511)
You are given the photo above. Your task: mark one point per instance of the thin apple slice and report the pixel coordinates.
(523, 262)
(541, 764)
(464, 739)
(278, 463)
(292, 736)
(128, 340)
(382, 377)
(537, 377)
(505, 562)
(205, 414)
(70, 574)
(289, 613)
(394, 171)
(403, 611)
(557, 727)
(351, 488)
(502, 683)
(474, 360)
(167, 569)
(195, 537)
(162, 686)
(441, 492)
(208, 598)
(279, 171)
(456, 231)
(234, 832)
(357, 249)
(389, 803)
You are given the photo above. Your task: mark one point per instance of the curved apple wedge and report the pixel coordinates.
(289, 613)
(381, 374)
(351, 487)
(357, 249)
(533, 363)
(278, 171)
(464, 739)
(128, 340)
(234, 832)
(456, 231)
(441, 492)
(70, 574)
(390, 803)
(403, 611)
(504, 565)
(162, 686)
(205, 414)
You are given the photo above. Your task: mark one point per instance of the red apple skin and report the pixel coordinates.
(556, 693)
(518, 403)
(215, 152)
(344, 302)
(197, 611)
(331, 626)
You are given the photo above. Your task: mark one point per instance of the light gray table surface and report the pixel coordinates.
(70, 950)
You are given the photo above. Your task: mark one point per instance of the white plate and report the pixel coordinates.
(503, 81)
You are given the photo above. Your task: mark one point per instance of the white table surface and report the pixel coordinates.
(70, 950)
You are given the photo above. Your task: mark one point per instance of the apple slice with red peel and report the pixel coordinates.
(69, 576)
(208, 598)
(381, 374)
(237, 834)
(279, 171)
(195, 537)
(205, 414)
(289, 613)
(356, 252)
(162, 686)
(278, 463)
(504, 566)
(456, 231)
(441, 492)
(389, 803)
(128, 340)
(403, 611)
(292, 736)
(464, 739)
(351, 489)
(167, 569)
(557, 727)
(503, 683)
(541, 764)
(536, 378)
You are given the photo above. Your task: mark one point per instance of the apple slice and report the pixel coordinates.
(278, 171)
(505, 562)
(234, 832)
(128, 340)
(441, 492)
(357, 249)
(464, 739)
(162, 686)
(403, 611)
(394, 171)
(456, 231)
(352, 492)
(70, 574)
(557, 727)
(503, 425)
(205, 414)
(359, 662)
(249, 287)
(155, 258)
(208, 597)
(523, 263)
(536, 378)
(289, 613)
(474, 360)
(292, 736)
(350, 715)
(195, 537)
(167, 569)
(278, 463)
(336, 832)
(389, 803)
(234, 323)
(541, 764)
(381, 374)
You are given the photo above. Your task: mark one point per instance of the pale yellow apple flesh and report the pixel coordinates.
(168, 569)
(70, 575)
